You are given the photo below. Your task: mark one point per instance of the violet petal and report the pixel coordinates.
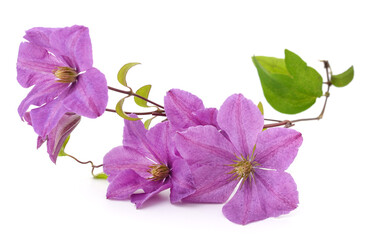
(40, 140)
(45, 118)
(205, 145)
(125, 184)
(160, 137)
(270, 194)
(41, 94)
(124, 158)
(140, 198)
(134, 136)
(74, 42)
(213, 184)
(40, 36)
(276, 148)
(70, 44)
(208, 154)
(207, 116)
(88, 96)
(182, 181)
(242, 121)
(57, 136)
(179, 107)
(35, 65)
(134, 133)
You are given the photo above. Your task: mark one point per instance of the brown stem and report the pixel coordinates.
(92, 164)
(131, 93)
(118, 90)
(272, 120)
(147, 100)
(286, 123)
(154, 113)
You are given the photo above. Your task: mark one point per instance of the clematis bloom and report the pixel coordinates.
(58, 62)
(146, 161)
(246, 156)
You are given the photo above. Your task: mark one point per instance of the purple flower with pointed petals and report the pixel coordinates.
(146, 161)
(253, 158)
(58, 134)
(183, 110)
(58, 62)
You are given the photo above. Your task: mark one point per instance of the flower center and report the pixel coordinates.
(159, 172)
(243, 167)
(65, 74)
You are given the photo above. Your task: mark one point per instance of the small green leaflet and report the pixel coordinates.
(261, 108)
(344, 78)
(147, 122)
(120, 112)
(289, 85)
(123, 73)
(100, 176)
(62, 149)
(143, 92)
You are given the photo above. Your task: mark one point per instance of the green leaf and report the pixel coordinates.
(344, 78)
(261, 108)
(121, 113)
(62, 149)
(143, 92)
(123, 73)
(273, 65)
(147, 122)
(100, 176)
(289, 85)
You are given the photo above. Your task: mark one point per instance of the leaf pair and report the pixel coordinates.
(141, 94)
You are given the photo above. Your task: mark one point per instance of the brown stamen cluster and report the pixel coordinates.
(65, 74)
(243, 168)
(159, 172)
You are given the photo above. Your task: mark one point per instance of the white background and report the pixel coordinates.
(204, 47)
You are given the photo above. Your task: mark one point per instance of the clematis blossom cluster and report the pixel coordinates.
(201, 154)
(204, 154)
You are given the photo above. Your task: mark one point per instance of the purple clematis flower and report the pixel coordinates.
(183, 110)
(58, 134)
(58, 62)
(248, 156)
(146, 161)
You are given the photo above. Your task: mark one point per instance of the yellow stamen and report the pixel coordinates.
(65, 74)
(243, 168)
(159, 172)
